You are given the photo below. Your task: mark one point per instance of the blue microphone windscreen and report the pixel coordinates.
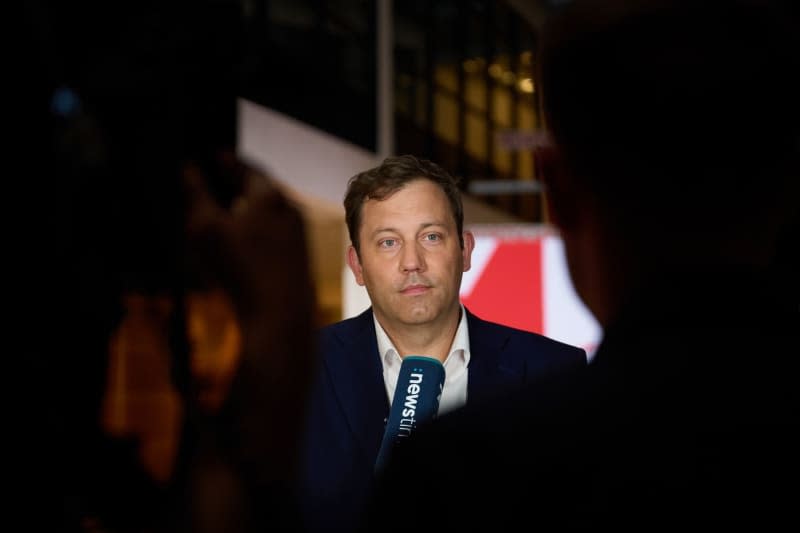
(416, 401)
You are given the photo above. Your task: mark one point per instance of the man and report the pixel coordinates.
(671, 189)
(409, 249)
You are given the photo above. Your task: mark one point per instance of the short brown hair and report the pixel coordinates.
(392, 175)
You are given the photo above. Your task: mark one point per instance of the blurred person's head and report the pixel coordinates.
(128, 117)
(675, 136)
(409, 248)
(163, 316)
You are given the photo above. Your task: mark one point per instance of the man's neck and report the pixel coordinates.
(431, 340)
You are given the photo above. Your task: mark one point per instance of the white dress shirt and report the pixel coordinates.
(454, 393)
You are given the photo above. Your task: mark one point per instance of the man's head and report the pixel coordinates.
(675, 125)
(391, 175)
(408, 248)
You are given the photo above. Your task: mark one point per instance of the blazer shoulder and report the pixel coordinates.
(522, 341)
(340, 332)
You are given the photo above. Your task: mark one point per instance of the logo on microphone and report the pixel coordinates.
(409, 421)
(415, 401)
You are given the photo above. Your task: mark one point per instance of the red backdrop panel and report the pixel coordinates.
(509, 290)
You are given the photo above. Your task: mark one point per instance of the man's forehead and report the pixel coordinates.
(387, 192)
(380, 224)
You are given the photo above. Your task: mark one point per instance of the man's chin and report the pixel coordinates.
(418, 316)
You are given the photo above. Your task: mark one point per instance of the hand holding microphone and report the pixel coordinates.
(416, 401)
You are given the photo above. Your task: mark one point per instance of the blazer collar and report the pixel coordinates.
(491, 365)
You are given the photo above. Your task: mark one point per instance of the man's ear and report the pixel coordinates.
(466, 252)
(559, 190)
(355, 264)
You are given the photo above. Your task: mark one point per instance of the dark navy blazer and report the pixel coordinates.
(349, 406)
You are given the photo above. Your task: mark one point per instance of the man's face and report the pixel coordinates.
(411, 261)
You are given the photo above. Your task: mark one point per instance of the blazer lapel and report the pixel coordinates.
(357, 379)
(490, 367)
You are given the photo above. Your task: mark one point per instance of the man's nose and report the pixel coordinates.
(412, 258)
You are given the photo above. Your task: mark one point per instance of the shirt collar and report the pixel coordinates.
(458, 350)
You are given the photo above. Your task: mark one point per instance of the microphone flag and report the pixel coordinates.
(416, 401)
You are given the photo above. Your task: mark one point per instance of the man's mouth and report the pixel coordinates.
(415, 289)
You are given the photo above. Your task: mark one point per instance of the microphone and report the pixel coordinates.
(416, 401)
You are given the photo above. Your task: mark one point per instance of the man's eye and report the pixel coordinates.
(387, 243)
(433, 237)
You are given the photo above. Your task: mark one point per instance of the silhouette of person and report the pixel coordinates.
(671, 175)
(174, 385)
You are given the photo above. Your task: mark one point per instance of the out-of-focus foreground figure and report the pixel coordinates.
(173, 331)
(673, 178)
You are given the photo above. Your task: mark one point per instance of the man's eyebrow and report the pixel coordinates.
(381, 230)
(435, 223)
(421, 226)
(424, 225)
